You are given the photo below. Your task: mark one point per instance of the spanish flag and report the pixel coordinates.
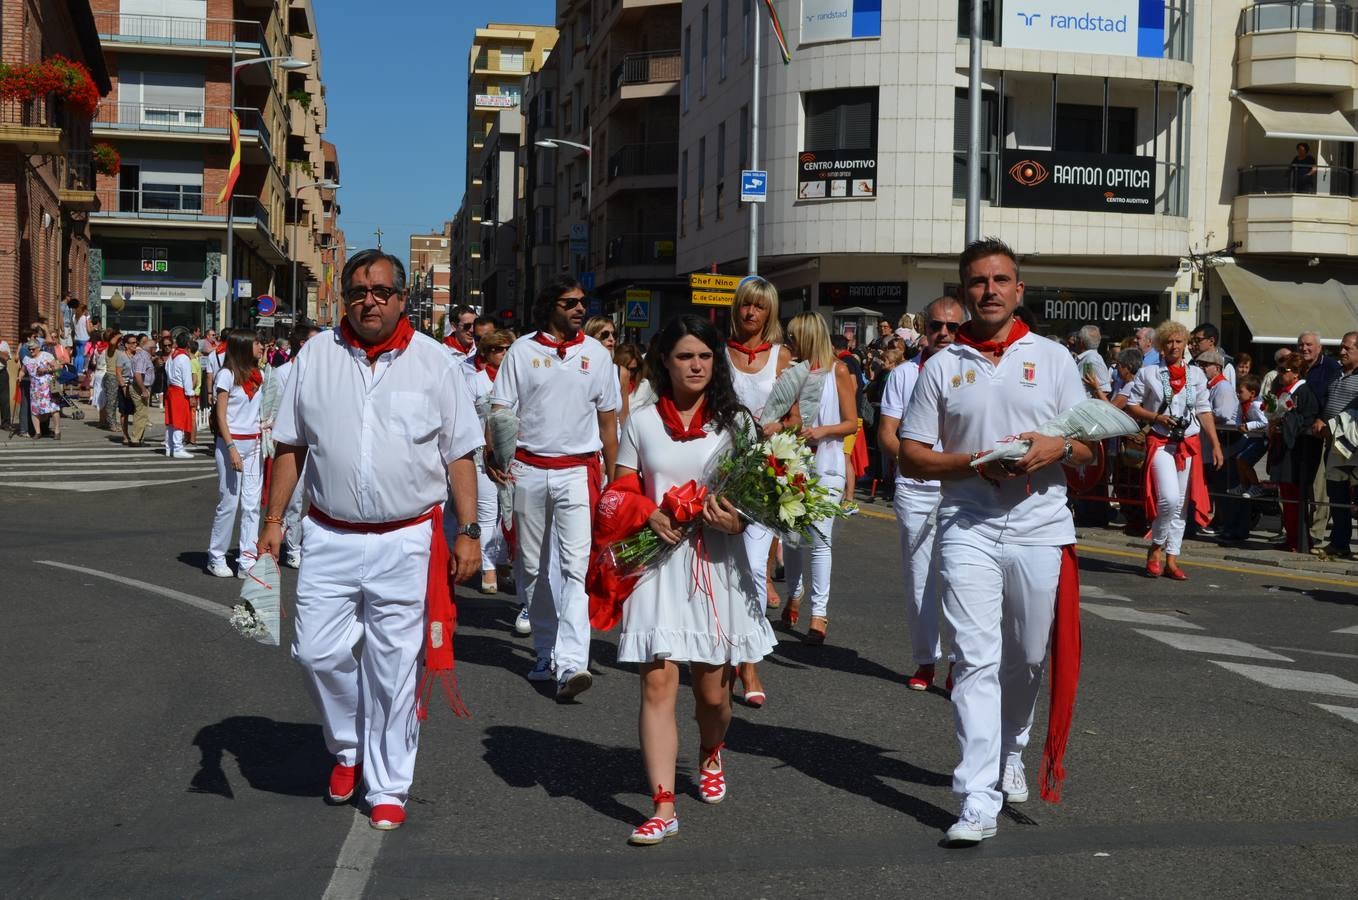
(778, 32)
(233, 170)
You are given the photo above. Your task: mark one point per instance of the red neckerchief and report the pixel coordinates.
(843, 354)
(252, 382)
(560, 347)
(399, 340)
(178, 352)
(1178, 378)
(483, 366)
(750, 352)
(669, 416)
(1215, 381)
(1017, 330)
(452, 341)
(1245, 409)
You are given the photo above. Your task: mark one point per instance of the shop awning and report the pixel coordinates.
(1277, 311)
(1299, 118)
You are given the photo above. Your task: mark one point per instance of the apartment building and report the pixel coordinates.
(161, 229)
(46, 165)
(535, 217)
(501, 55)
(429, 273)
(333, 250)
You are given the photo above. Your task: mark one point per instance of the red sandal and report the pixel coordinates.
(712, 783)
(655, 829)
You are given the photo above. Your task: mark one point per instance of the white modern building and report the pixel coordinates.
(1139, 158)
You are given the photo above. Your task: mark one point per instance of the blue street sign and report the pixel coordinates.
(754, 185)
(638, 309)
(594, 307)
(587, 281)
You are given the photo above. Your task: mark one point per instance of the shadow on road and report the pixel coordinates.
(1097, 566)
(843, 763)
(194, 559)
(1343, 598)
(829, 656)
(566, 767)
(279, 757)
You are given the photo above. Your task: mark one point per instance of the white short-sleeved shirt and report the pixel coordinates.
(1093, 359)
(283, 373)
(1151, 385)
(179, 373)
(379, 439)
(557, 400)
(967, 403)
(900, 384)
(1225, 403)
(82, 328)
(242, 412)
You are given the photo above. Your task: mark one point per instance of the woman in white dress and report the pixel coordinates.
(757, 356)
(824, 427)
(700, 605)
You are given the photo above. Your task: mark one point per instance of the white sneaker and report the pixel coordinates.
(1014, 785)
(1237, 491)
(575, 683)
(292, 560)
(542, 670)
(1253, 490)
(521, 623)
(183, 454)
(221, 570)
(241, 571)
(971, 828)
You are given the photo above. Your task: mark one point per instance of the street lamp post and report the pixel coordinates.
(324, 184)
(555, 143)
(286, 62)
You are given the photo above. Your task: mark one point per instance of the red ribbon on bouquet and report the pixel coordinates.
(684, 502)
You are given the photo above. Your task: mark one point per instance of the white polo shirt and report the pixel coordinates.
(900, 385)
(379, 439)
(242, 412)
(557, 400)
(966, 403)
(179, 373)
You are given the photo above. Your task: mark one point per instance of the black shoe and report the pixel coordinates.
(779, 573)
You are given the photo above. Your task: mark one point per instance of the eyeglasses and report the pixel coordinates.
(953, 327)
(496, 349)
(605, 335)
(380, 292)
(570, 302)
(466, 326)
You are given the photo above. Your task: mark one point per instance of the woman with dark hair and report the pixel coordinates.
(1294, 455)
(701, 605)
(239, 468)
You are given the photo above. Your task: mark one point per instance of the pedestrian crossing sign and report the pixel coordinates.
(638, 309)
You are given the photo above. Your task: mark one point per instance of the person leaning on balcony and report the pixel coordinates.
(1304, 170)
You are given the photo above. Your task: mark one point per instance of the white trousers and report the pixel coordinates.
(494, 551)
(917, 514)
(97, 390)
(365, 588)
(758, 540)
(174, 440)
(1171, 499)
(237, 491)
(552, 513)
(815, 554)
(292, 519)
(998, 600)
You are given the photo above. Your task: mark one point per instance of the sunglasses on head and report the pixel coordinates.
(953, 327)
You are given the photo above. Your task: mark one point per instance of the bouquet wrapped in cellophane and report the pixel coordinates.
(1092, 420)
(773, 482)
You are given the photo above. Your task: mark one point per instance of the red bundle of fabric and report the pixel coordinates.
(622, 511)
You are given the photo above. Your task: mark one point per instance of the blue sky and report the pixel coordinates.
(396, 86)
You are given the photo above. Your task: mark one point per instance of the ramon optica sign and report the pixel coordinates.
(1093, 182)
(1117, 27)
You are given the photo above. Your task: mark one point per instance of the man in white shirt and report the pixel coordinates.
(1005, 545)
(561, 384)
(1090, 361)
(1205, 338)
(181, 398)
(380, 418)
(916, 501)
(1225, 404)
(459, 327)
(292, 516)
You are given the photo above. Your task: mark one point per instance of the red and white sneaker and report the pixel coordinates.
(923, 679)
(712, 782)
(388, 817)
(343, 780)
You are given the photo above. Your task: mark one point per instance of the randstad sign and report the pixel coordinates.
(1118, 27)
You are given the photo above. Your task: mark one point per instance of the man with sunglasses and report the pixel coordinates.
(459, 341)
(916, 500)
(561, 385)
(381, 420)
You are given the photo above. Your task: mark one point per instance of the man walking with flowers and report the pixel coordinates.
(381, 418)
(1005, 546)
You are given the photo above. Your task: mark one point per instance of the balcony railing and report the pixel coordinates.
(1328, 181)
(657, 67)
(40, 112)
(168, 118)
(172, 202)
(120, 28)
(79, 171)
(641, 249)
(1296, 15)
(644, 159)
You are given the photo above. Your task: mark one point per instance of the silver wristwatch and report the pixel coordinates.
(1069, 454)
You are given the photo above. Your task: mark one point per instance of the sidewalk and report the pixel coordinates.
(86, 432)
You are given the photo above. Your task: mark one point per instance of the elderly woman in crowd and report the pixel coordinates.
(42, 368)
(1294, 453)
(1173, 399)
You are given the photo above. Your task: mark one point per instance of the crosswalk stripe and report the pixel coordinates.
(78, 460)
(1353, 630)
(28, 468)
(1197, 643)
(1137, 617)
(1097, 593)
(1293, 680)
(91, 487)
(1347, 712)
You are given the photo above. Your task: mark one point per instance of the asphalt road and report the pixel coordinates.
(148, 751)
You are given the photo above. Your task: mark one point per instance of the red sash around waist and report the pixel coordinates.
(177, 412)
(1188, 449)
(245, 437)
(590, 461)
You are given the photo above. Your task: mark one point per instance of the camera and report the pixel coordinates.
(1178, 427)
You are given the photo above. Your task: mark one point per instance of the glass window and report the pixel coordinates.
(702, 178)
(688, 54)
(1079, 128)
(702, 60)
(843, 119)
(721, 166)
(722, 26)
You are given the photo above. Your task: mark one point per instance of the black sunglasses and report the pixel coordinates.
(381, 293)
(605, 335)
(570, 302)
(953, 327)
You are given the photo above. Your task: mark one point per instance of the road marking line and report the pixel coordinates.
(354, 865)
(1197, 643)
(196, 602)
(1347, 712)
(1137, 617)
(1268, 572)
(1353, 630)
(1292, 680)
(1095, 592)
(1318, 652)
(27, 467)
(89, 487)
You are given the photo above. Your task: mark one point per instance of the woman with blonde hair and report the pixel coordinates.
(602, 329)
(1173, 399)
(824, 427)
(757, 356)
